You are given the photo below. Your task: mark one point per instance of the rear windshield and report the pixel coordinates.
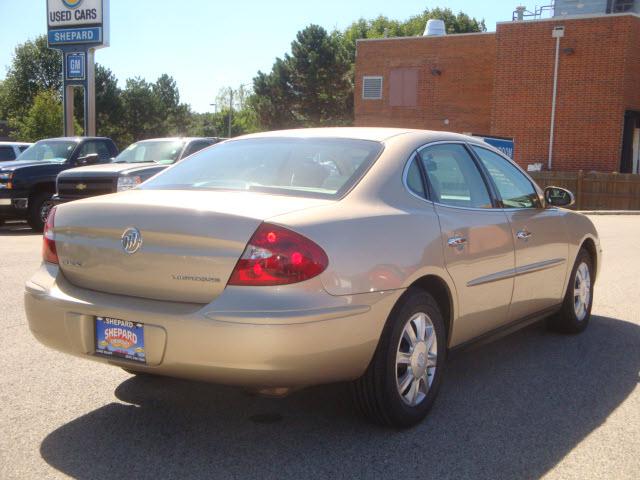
(161, 151)
(318, 167)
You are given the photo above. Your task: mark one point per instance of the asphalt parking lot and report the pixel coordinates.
(531, 405)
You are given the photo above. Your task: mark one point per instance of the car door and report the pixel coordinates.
(539, 234)
(476, 239)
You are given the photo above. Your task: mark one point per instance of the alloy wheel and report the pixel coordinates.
(582, 291)
(416, 359)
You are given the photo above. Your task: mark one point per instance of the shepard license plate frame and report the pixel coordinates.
(121, 339)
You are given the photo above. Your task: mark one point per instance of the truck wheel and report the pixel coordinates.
(39, 207)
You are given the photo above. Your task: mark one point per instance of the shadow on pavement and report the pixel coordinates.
(510, 409)
(16, 228)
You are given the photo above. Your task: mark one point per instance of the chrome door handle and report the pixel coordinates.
(457, 241)
(523, 235)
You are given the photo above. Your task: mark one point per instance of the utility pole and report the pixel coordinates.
(557, 33)
(230, 108)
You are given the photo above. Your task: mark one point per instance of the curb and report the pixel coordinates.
(609, 212)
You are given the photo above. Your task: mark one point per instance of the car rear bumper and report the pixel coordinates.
(321, 339)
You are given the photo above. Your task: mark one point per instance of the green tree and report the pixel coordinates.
(170, 109)
(34, 68)
(309, 87)
(382, 26)
(43, 119)
(109, 108)
(141, 111)
(273, 98)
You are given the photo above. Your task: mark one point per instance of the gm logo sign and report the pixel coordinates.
(72, 3)
(74, 66)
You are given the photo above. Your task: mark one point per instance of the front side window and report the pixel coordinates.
(93, 146)
(317, 167)
(453, 177)
(515, 189)
(51, 150)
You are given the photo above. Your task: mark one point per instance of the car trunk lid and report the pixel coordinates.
(190, 240)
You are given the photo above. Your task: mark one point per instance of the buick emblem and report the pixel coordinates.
(131, 240)
(81, 186)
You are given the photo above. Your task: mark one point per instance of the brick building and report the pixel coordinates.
(501, 84)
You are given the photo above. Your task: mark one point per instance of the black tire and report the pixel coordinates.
(567, 320)
(37, 205)
(376, 393)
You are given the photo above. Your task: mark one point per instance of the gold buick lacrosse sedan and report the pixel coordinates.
(280, 260)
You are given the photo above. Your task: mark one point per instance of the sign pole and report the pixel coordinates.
(67, 101)
(90, 96)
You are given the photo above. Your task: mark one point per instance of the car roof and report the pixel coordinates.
(378, 134)
(72, 139)
(174, 139)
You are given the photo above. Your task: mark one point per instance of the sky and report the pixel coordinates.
(210, 44)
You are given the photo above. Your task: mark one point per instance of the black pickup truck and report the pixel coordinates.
(137, 163)
(28, 183)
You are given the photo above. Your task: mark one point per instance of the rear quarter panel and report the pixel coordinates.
(371, 247)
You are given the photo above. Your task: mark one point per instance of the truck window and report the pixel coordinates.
(7, 153)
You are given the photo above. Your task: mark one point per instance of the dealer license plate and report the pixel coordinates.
(120, 338)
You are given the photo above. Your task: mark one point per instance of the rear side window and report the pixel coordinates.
(317, 167)
(414, 179)
(515, 189)
(7, 153)
(453, 177)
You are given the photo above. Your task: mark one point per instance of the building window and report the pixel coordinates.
(403, 87)
(371, 88)
(619, 6)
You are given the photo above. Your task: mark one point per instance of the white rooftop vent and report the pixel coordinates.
(435, 27)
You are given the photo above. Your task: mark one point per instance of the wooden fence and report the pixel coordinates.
(594, 190)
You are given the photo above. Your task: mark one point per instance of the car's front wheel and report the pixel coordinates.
(403, 378)
(576, 308)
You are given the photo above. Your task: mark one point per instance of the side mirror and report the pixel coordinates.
(90, 159)
(559, 197)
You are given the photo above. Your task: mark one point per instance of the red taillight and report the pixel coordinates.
(277, 256)
(49, 252)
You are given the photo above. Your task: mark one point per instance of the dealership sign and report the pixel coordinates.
(77, 28)
(505, 145)
(75, 66)
(78, 22)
